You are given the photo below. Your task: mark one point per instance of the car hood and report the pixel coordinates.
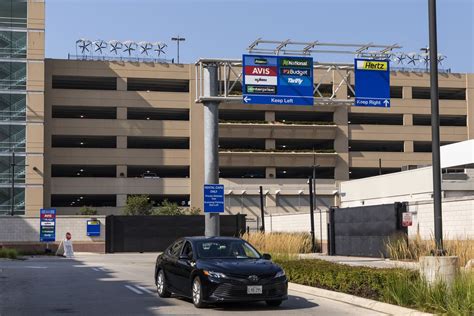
(239, 266)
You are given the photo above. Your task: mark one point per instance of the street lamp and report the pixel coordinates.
(178, 39)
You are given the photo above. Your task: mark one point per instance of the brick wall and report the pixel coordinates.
(26, 229)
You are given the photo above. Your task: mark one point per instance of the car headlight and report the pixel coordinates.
(213, 274)
(280, 274)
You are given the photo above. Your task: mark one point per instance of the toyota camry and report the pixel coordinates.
(219, 269)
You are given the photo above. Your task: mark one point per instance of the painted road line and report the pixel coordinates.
(131, 288)
(144, 289)
(35, 267)
(95, 269)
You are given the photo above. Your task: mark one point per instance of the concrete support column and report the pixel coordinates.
(407, 93)
(121, 169)
(270, 173)
(270, 144)
(121, 141)
(408, 146)
(341, 143)
(470, 105)
(438, 268)
(269, 116)
(408, 119)
(122, 84)
(121, 200)
(121, 113)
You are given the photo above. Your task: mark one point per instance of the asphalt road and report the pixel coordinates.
(122, 284)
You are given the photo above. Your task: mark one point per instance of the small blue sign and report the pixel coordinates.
(280, 80)
(47, 225)
(372, 82)
(213, 198)
(93, 228)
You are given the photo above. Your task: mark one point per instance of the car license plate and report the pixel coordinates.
(254, 289)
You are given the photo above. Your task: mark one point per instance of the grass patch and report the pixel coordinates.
(458, 299)
(396, 286)
(8, 253)
(282, 246)
(399, 249)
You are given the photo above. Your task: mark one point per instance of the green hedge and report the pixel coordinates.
(395, 286)
(8, 253)
(359, 281)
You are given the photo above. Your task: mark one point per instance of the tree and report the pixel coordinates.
(87, 210)
(138, 205)
(168, 208)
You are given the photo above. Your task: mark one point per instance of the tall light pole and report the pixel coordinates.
(433, 49)
(178, 39)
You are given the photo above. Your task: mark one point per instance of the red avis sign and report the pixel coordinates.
(260, 71)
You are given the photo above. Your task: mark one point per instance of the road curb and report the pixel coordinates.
(355, 300)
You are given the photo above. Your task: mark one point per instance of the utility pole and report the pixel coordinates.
(178, 39)
(316, 202)
(12, 189)
(311, 213)
(438, 222)
(211, 142)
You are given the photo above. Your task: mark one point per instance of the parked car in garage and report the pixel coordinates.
(219, 269)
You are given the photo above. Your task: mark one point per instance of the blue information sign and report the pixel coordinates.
(277, 80)
(213, 198)
(93, 228)
(47, 225)
(372, 82)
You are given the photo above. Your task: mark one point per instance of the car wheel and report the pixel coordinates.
(161, 287)
(197, 293)
(274, 303)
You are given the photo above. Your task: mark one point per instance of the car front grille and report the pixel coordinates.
(229, 290)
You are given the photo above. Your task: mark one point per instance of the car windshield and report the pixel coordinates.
(226, 249)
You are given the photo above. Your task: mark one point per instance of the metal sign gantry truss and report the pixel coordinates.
(230, 70)
(230, 81)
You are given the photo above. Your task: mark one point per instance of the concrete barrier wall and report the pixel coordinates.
(22, 232)
(297, 223)
(458, 219)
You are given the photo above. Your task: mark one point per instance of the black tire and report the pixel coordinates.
(196, 291)
(161, 286)
(274, 303)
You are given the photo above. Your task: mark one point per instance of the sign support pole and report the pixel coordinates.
(211, 142)
(311, 213)
(438, 224)
(262, 211)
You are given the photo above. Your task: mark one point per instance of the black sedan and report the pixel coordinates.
(219, 269)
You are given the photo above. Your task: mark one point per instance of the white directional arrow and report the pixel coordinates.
(386, 103)
(247, 99)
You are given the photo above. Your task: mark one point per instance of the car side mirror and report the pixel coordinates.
(266, 256)
(184, 257)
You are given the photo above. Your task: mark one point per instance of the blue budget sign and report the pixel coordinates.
(277, 80)
(47, 225)
(93, 228)
(372, 82)
(213, 198)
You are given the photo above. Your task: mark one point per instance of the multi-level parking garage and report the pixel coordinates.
(117, 128)
(109, 129)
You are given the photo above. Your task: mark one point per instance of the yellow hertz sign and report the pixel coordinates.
(372, 65)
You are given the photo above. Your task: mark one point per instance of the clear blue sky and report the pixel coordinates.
(224, 28)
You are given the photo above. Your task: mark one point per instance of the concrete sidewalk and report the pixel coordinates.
(362, 261)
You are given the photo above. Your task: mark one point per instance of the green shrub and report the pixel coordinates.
(395, 286)
(359, 281)
(87, 210)
(458, 299)
(168, 208)
(8, 253)
(138, 205)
